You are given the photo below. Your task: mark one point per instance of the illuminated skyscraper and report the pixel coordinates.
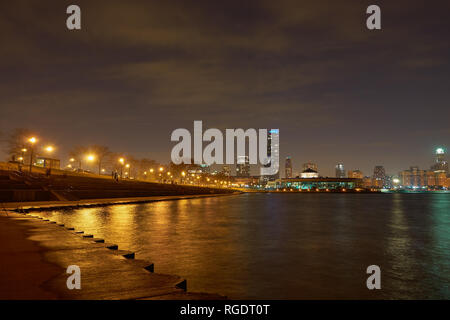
(441, 165)
(288, 167)
(379, 177)
(340, 171)
(272, 152)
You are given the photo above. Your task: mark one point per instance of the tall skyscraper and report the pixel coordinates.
(272, 143)
(379, 177)
(340, 171)
(288, 167)
(441, 165)
(243, 167)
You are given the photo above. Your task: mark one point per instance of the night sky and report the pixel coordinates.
(138, 70)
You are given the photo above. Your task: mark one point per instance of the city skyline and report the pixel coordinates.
(337, 91)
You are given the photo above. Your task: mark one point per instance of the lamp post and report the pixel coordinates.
(48, 149)
(23, 154)
(151, 174)
(90, 157)
(129, 172)
(32, 141)
(122, 162)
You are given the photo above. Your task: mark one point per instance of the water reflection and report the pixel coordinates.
(287, 245)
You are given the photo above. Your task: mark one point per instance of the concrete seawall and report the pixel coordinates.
(29, 206)
(36, 253)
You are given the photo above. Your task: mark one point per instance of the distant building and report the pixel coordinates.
(243, 167)
(367, 182)
(435, 178)
(226, 171)
(288, 168)
(271, 142)
(309, 165)
(413, 178)
(357, 174)
(379, 177)
(340, 171)
(48, 163)
(272, 139)
(309, 173)
(246, 182)
(325, 184)
(441, 165)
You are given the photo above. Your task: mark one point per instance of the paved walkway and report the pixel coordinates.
(36, 253)
(100, 202)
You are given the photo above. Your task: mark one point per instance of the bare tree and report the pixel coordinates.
(101, 153)
(77, 153)
(18, 141)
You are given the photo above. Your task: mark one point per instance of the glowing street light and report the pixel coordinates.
(72, 159)
(151, 170)
(49, 149)
(129, 170)
(90, 157)
(161, 169)
(32, 141)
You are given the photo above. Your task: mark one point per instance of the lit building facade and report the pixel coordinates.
(243, 167)
(310, 165)
(440, 165)
(325, 184)
(272, 152)
(309, 173)
(288, 167)
(355, 174)
(48, 163)
(340, 171)
(226, 171)
(379, 177)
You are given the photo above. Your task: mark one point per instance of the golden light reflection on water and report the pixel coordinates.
(283, 246)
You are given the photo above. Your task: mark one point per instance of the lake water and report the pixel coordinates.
(287, 246)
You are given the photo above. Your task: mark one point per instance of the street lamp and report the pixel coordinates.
(122, 162)
(129, 170)
(49, 149)
(90, 158)
(32, 141)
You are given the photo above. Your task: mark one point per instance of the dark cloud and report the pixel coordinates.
(138, 70)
